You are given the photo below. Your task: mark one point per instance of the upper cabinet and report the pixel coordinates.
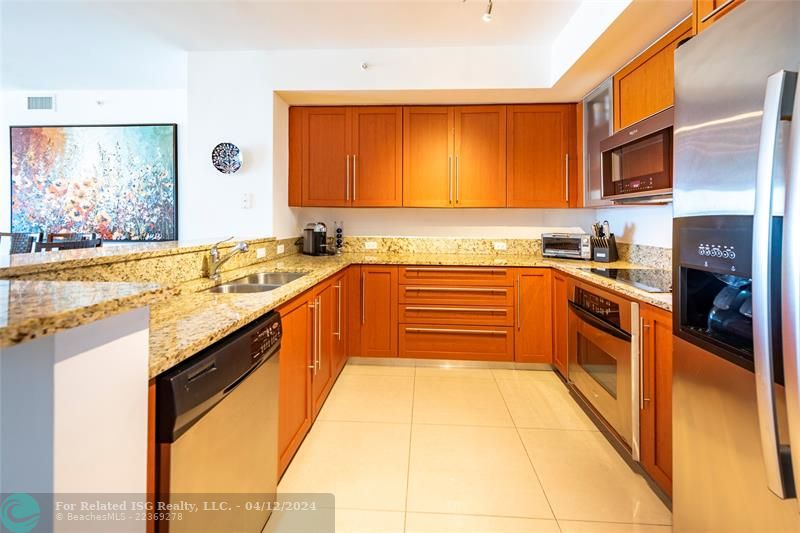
(428, 156)
(707, 12)
(645, 86)
(345, 156)
(539, 144)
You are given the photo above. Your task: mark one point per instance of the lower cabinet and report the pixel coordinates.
(322, 328)
(471, 343)
(560, 318)
(377, 311)
(294, 402)
(656, 405)
(534, 331)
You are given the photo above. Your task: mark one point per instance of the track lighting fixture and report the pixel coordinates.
(487, 17)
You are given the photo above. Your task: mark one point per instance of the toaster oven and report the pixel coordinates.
(567, 245)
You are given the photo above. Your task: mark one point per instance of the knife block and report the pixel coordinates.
(604, 249)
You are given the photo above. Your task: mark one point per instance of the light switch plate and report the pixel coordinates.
(370, 245)
(281, 248)
(500, 245)
(261, 253)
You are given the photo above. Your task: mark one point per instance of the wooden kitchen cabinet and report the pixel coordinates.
(656, 405)
(470, 343)
(707, 12)
(323, 329)
(378, 311)
(646, 85)
(480, 156)
(353, 310)
(294, 404)
(427, 156)
(345, 156)
(538, 150)
(339, 333)
(560, 323)
(534, 317)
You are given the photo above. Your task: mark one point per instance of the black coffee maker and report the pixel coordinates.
(315, 239)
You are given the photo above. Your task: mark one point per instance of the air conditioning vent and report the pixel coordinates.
(42, 103)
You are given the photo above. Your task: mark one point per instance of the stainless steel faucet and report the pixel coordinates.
(215, 261)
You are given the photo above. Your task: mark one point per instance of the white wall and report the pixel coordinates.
(82, 107)
(650, 225)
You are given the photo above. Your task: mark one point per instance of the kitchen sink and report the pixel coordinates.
(270, 278)
(240, 288)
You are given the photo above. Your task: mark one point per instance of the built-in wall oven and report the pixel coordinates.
(604, 365)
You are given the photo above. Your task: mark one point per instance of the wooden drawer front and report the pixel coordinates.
(445, 315)
(455, 296)
(459, 276)
(476, 343)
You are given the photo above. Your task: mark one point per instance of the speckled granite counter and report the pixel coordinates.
(184, 325)
(31, 309)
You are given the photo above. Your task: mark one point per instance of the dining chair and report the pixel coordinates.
(68, 245)
(21, 243)
(60, 237)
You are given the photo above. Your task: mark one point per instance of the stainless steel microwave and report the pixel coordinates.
(637, 161)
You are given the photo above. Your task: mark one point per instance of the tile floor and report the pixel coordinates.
(466, 450)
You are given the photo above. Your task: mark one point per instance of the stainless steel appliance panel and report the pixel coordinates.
(598, 124)
(720, 82)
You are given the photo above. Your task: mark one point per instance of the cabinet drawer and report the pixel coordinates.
(474, 343)
(444, 315)
(459, 276)
(454, 296)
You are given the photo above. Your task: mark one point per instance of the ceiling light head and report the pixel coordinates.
(487, 17)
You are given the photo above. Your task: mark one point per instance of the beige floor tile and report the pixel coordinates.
(465, 401)
(509, 373)
(441, 523)
(568, 526)
(363, 464)
(585, 479)
(472, 470)
(540, 400)
(370, 398)
(454, 372)
(377, 370)
(356, 521)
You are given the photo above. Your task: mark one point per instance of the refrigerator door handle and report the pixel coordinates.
(777, 106)
(790, 303)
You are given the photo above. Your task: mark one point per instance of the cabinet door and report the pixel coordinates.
(538, 151)
(656, 405)
(647, 84)
(480, 156)
(427, 156)
(353, 314)
(378, 311)
(325, 156)
(339, 340)
(324, 328)
(377, 164)
(707, 12)
(294, 406)
(534, 335)
(560, 321)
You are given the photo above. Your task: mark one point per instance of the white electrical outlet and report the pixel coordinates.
(500, 245)
(281, 248)
(261, 253)
(370, 245)
(247, 200)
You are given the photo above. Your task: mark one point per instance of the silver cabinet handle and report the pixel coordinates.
(716, 10)
(642, 327)
(455, 289)
(790, 307)
(450, 177)
(456, 269)
(519, 289)
(363, 290)
(347, 181)
(460, 331)
(777, 105)
(566, 177)
(459, 309)
(355, 172)
(338, 333)
(314, 321)
(458, 183)
(318, 361)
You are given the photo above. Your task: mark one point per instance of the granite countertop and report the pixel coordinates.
(32, 309)
(195, 319)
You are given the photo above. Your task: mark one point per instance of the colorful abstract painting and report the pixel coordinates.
(117, 181)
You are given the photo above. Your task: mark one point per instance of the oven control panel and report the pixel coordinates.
(598, 306)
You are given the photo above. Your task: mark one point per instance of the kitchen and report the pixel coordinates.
(548, 298)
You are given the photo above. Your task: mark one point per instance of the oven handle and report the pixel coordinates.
(599, 323)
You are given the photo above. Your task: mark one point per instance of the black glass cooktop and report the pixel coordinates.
(650, 280)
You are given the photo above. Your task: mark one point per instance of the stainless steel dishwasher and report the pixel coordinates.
(217, 428)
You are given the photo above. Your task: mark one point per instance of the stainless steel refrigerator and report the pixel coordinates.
(736, 407)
